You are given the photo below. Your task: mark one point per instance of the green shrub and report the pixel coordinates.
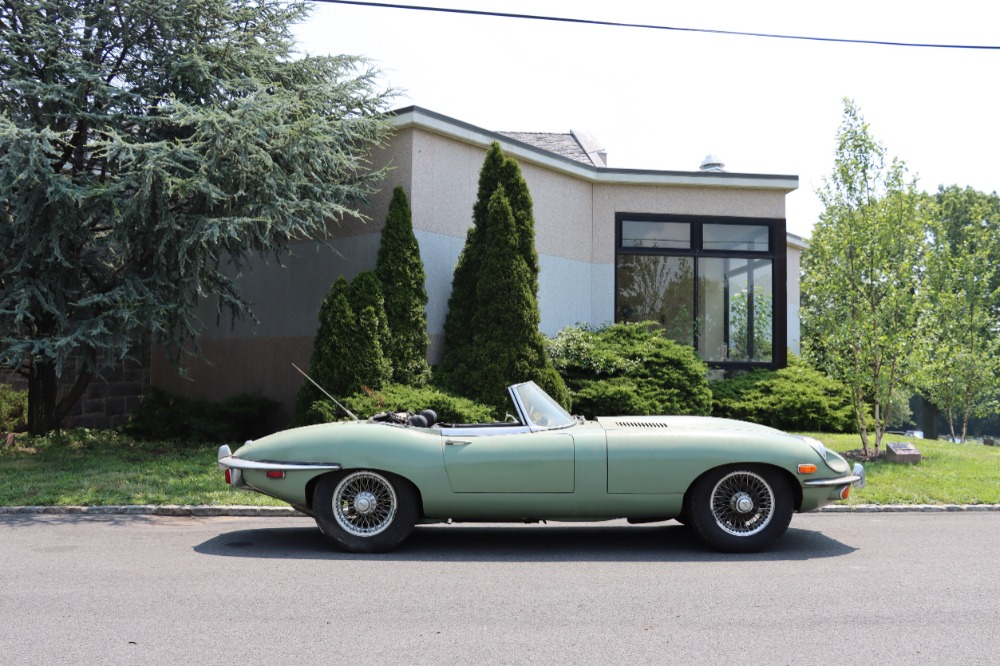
(161, 415)
(798, 397)
(629, 369)
(400, 398)
(13, 409)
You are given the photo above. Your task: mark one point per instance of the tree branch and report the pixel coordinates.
(70, 399)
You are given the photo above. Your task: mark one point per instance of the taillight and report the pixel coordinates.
(229, 476)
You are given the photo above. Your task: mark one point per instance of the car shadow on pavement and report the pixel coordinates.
(553, 542)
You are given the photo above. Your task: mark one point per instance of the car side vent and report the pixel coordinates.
(640, 424)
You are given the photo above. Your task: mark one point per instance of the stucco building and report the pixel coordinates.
(703, 252)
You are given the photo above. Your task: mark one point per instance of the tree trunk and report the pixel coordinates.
(45, 411)
(859, 416)
(43, 388)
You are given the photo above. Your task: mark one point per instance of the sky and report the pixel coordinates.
(665, 99)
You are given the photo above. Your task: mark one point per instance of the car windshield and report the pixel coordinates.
(539, 409)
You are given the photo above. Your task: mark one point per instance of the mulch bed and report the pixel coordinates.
(858, 455)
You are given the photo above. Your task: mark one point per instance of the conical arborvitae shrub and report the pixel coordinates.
(330, 364)
(401, 272)
(507, 346)
(467, 323)
(372, 369)
(347, 351)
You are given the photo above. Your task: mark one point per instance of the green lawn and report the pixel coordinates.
(101, 468)
(106, 468)
(948, 474)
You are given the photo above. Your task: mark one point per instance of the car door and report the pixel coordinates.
(525, 462)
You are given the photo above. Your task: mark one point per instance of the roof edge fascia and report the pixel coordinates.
(437, 123)
(796, 241)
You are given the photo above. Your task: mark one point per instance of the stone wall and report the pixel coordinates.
(111, 396)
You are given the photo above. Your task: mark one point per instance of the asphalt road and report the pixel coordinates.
(905, 588)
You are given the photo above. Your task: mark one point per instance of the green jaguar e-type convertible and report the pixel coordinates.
(367, 483)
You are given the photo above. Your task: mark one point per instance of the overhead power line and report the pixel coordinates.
(650, 26)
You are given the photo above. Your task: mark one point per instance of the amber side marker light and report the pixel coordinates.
(807, 468)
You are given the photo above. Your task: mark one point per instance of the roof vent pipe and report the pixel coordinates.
(713, 163)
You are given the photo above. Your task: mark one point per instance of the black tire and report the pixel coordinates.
(740, 508)
(363, 511)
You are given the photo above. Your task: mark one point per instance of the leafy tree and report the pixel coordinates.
(860, 274)
(960, 306)
(630, 369)
(491, 331)
(401, 272)
(147, 151)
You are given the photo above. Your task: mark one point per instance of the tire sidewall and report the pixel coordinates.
(701, 518)
(407, 511)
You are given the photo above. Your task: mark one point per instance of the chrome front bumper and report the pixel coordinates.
(857, 479)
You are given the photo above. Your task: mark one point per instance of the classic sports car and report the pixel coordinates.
(367, 483)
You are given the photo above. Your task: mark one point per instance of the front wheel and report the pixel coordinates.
(365, 511)
(740, 509)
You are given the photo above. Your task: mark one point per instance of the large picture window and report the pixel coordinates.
(716, 284)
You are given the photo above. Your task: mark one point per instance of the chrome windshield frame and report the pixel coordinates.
(543, 403)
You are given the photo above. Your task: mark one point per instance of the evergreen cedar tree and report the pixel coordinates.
(491, 330)
(401, 273)
(154, 150)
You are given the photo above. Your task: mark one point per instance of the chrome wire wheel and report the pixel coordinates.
(742, 503)
(364, 504)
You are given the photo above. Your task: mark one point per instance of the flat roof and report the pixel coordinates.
(415, 116)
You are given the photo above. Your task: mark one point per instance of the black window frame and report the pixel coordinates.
(777, 255)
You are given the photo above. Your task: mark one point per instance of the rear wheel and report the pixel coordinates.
(740, 509)
(363, 511)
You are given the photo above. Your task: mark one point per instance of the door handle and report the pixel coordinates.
(454, 442)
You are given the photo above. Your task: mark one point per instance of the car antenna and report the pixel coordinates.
(349, 412)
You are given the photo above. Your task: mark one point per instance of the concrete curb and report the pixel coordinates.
(289, 512)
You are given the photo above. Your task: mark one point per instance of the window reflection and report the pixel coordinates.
(739, 237)
(677, 274)
(656, 235)
(735, 303)
(659, 289)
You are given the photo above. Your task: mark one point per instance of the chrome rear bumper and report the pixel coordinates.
(227, 459)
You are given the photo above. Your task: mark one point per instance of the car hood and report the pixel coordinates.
(679, 423)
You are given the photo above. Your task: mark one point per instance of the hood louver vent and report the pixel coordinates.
(640, 424)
